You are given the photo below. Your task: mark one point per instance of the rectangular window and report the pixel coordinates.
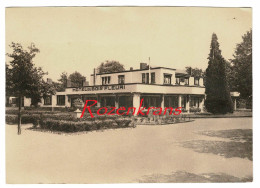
(60, 99)
(195, 101)
(147, 78)
(47, 100)
(167, 79)
(186, 81)
(143, 78)
(153, 77)
(105, 80)
(121, 79)
(196, 81)
(177, 81)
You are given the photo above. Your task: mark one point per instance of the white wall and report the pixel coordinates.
(201, 82)
(134, 76)
(27, 101)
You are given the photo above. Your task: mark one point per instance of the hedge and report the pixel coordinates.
(195, 109)
(67, 122)
(72, 126)
(15, 112)
(13, 119)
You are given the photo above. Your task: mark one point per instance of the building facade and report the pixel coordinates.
(157, 86)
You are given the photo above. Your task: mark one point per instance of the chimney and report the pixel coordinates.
(143, 66)
(49, 81)
(131, 68)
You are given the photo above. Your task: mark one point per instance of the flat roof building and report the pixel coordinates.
(157, 86)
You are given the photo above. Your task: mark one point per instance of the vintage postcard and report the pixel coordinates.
(99, 95)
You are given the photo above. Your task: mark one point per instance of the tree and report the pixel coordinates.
(110, 66)
(242, 67)
(231, 76)
(77, 79)
(62, 82)
(195, 72)
(218, 99)
(23, 79)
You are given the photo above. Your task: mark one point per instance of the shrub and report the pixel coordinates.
(184, 110)
(123, 122)
(98, 124)
(109, 123)
(38, 108)
(11, 111)
(67, 126)
(83, 125)
(29, 112)
(195, 109)
(61, 116)
(13, 119)
(71, 109)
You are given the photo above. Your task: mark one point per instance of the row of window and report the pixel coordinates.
(179, 80)
(106, 79)
(60, 100)
(146, 80)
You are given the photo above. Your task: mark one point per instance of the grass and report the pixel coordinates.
(238, 144)
(186, 177)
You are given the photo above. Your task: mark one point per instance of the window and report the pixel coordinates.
(143, 78)
(186, 81)
(194, 101)
(167, 79)
(121, 79)
(177, 81)
(153, 77)
(182, 81)
(60, 99)
(106, 80)
(47, 100)
(196, 81)
(147, 78)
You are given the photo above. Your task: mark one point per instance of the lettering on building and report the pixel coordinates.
(99, 88)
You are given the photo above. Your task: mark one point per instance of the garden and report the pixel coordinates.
(67, 121)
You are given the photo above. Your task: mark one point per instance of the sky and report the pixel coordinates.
(80, 38)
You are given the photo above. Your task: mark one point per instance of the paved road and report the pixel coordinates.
(121, 155)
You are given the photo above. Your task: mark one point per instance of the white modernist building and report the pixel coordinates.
(157, 86)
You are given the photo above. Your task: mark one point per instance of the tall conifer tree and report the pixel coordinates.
(218, 98)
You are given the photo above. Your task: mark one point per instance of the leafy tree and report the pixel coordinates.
(195, 72)
(77, 79)
(231, 76)
(62, 82)
(218, 98)
(242, 67)
(23, 79)
(110, 66)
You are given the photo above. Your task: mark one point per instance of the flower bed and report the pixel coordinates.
(162, 120)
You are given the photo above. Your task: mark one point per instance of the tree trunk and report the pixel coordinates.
(19, 116)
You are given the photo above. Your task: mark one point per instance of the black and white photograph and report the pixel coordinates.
(128, 94)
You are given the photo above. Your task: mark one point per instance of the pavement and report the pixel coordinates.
(126, 155)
